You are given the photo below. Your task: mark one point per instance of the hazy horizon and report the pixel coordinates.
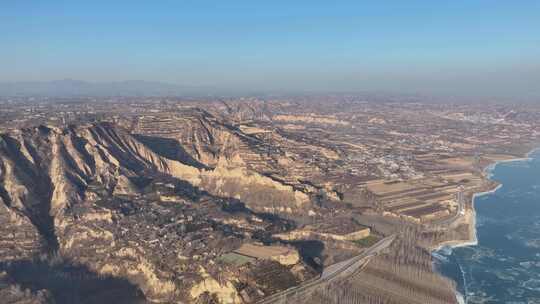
(464, 48)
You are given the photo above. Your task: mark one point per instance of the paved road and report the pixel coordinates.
(459, 213)
(332, 272)
(349, 266)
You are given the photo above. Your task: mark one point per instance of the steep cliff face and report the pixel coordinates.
(17, 229)
(225, 292)
(93, 194)
(197, 137)
(47, 170)
(225, 138)
(25, 184)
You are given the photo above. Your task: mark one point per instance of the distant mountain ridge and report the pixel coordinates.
(143, 88)
(71, 87)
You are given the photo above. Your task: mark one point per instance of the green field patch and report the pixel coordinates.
(367, 241)
(236, 259)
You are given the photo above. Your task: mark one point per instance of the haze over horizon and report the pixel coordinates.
(476, 48)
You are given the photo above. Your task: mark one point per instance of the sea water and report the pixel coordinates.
(504, 267)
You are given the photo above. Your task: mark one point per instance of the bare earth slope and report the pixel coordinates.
(101, 198)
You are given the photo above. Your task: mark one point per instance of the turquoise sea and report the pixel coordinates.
(505, 265)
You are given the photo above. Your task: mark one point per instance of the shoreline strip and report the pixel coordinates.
(473, 236)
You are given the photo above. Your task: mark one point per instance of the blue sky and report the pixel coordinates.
(452, 47)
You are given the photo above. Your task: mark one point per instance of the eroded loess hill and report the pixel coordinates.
(125, 206)
(228, 138)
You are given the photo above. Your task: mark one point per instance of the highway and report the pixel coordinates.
(332, 272)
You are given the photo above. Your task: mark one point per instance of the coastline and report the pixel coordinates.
(470, 215)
